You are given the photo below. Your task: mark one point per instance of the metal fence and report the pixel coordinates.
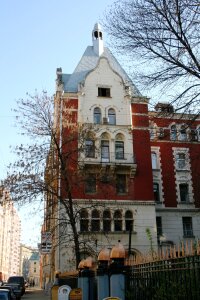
(174, 279)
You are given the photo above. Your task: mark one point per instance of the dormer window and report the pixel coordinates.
(103, 92)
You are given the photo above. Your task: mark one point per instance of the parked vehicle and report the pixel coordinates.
(5, 294)
(19, 280)
(13, 296)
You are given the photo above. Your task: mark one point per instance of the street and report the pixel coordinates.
(35, 294)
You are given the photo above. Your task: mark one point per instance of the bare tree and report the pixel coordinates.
(162, 38)
(47, 167)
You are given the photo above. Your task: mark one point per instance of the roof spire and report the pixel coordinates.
(97, 39)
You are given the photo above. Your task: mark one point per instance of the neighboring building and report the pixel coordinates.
(34, 269)
(10, 230)
(141, 168)
(25, 255)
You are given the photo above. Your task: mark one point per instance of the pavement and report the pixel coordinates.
(35, 293)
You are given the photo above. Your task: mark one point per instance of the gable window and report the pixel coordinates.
(97, 115)
(105, 152)
(95, 222)
(173, 133)
(183, 133)
(154, 160)
(111, 116)
(103, 92)
(119, 150)
(187, 227)
(156, 192)
(84, 221)
(181, 161)
(184, 192)
(128, 220)
(106, 221)
(121, 183)
(90, 148)
(117, 221)
(90, 184)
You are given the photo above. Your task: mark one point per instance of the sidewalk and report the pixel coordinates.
(35, 293)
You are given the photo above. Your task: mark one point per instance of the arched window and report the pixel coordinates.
(106, 221)
(183, 133)
(105, 152)
(95, 222)
(97, 115)
(90, 148)
(117, 220)
(128, 220)
(111, 116)
(84, 221)
(173, 133)
(119, 150)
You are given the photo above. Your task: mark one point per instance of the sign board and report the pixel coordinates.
(46, 242)
(63, 292)
(75, 294)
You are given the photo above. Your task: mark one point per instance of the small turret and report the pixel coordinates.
(97, 38)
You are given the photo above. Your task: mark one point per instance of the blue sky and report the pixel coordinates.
(36, 37)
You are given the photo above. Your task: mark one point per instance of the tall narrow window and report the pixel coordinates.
(89, 148)
(184, 192)
(121, 184)
(106, 221)
(154, 160)
(187, 227)
(119, 150)
(103, 92)
(111, 116)
(84, 221)
(105, 152)
(181, 161)
(128, 220)
(173, 133)
(156, 192)
(193, 135)
(159, 226)
(95, 222)
(117, 221)
(183, 133)
(97, 115)
(90, 184)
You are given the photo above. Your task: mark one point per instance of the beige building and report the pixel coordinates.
(25, 255)
(10, 230)
(34, 269)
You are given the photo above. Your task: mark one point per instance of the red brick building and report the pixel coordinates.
(141, 167)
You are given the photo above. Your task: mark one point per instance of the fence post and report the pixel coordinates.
(102, 274)
(117, 272)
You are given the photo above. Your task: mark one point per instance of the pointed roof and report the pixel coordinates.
(88, 62)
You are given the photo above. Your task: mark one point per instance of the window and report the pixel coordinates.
(119, 150)
(89, 148)
(154, 160)
(121, 183)
(106, 221)
(159, 226)
(84, 221)
(95, 222)
(111, 116)
(173, 133)
(117, 221)
(128, 220)
(105, 153)
(97, 115)
(183, 133)
(156, 192)
(103, 92)
(187, 227)
(181, 161)
(193, 135)
(184, 193)
(198, 133)
(90, 184)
